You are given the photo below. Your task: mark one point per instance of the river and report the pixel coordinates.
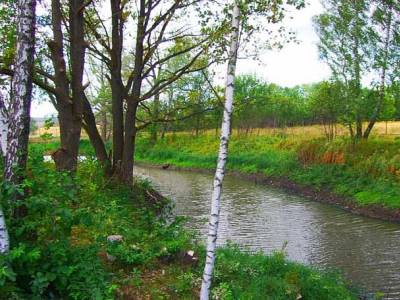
(259, 217)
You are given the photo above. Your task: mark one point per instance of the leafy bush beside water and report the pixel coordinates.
(59, 248)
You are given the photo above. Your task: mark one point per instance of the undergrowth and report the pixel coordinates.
(59, 247)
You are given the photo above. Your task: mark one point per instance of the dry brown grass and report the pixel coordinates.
(383, 129)
(54, 130)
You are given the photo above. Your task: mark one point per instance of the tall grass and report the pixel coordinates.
(366, 171)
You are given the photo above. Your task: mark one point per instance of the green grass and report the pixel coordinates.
(59, 247)
(367, 172)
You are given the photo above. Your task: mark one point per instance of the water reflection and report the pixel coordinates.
(259, 217)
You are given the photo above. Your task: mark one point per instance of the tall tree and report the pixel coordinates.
(345, 44)
(222, 155)
(157, 27)
(64, 55)
(386, 21)
(4, 239)
(18, 112)
(69, 88)
(242, 18)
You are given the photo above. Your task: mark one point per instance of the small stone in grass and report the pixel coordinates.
(116, 238)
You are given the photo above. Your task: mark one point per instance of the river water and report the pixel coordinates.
(259, 217)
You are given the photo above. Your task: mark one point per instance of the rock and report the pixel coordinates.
(190, 258)
(117, 238)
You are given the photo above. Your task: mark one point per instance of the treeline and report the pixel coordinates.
(360, 42)
(259, 104)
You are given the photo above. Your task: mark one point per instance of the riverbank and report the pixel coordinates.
(59, 248)
(359, 177)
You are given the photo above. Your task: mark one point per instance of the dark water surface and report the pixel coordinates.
(260, 217)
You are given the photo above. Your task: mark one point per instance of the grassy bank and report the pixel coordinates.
(367, 172)
(59, 248)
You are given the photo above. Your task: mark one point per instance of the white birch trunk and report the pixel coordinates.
(4, 240)
(222, 156)
(19, 109)
(3, 126)
(18, 114)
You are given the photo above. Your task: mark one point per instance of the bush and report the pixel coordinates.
(59, 245)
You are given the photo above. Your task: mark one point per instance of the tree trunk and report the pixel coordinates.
(20, 104)
(351, 131)
(359, 131)
(3, 126)
(104, 126)
(117, 88)
(18, 122)
(77, 57)
(222, 156)
(126, 172)
(4, 239)
(155, 127)
(70, 109)
(94, 136)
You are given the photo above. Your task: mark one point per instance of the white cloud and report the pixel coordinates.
(295, 63)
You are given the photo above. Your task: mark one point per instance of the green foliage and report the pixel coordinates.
(239, 275)
(58, 245)
(367, 171)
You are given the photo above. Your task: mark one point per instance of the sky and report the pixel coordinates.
(293, 65)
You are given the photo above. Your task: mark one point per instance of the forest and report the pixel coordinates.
(158, 179)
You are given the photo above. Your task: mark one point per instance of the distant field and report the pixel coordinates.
(383, 129)
(55, 131)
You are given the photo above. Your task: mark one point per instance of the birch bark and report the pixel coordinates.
(222, 156)
(4, 240)
(3, 127)
(19, 110)
(17, 118)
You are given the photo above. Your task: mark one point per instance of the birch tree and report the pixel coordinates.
(21, 93)
(222, 155)
(241, 21)
(16, 118)
(3, 126)
(4, 240)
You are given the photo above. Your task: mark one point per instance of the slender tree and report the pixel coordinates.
(386, 19)
(345, 44)
(4, 240)
(222, 155)
(3, 126)
(242, 17)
